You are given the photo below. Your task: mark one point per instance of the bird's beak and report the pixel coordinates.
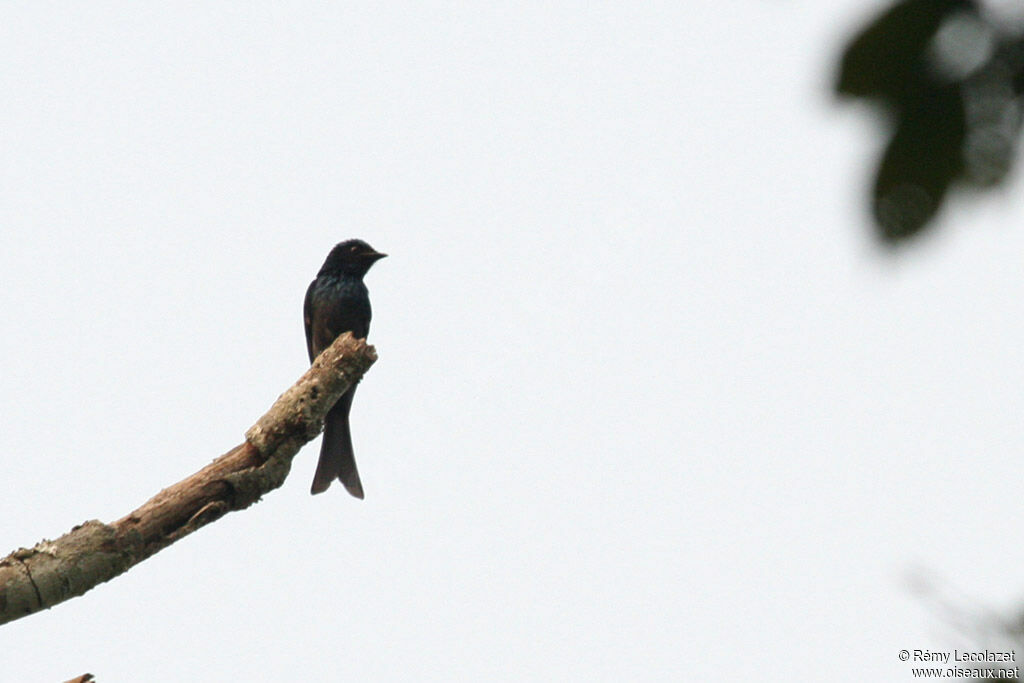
(373, 256)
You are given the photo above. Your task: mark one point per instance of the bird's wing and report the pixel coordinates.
(307, 315)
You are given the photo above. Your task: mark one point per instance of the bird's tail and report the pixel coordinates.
(336, 456)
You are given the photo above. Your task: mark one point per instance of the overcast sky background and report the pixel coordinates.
(650, 403)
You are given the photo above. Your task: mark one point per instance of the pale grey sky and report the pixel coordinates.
(650, 404)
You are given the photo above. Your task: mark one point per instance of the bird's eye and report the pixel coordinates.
(353, 249)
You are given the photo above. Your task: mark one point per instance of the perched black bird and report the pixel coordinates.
(337, 302)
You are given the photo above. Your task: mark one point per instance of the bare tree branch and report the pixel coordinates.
(93, 552)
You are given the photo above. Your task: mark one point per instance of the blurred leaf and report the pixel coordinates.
(888, 59)
(952, 81)
(923, 157)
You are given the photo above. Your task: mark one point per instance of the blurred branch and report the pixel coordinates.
(54, 571)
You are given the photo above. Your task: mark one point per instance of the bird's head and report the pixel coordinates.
(351, 257)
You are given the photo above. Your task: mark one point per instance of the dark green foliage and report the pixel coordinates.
(952, 81)
(887, 60)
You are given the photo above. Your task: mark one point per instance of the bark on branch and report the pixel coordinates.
(33, 579)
